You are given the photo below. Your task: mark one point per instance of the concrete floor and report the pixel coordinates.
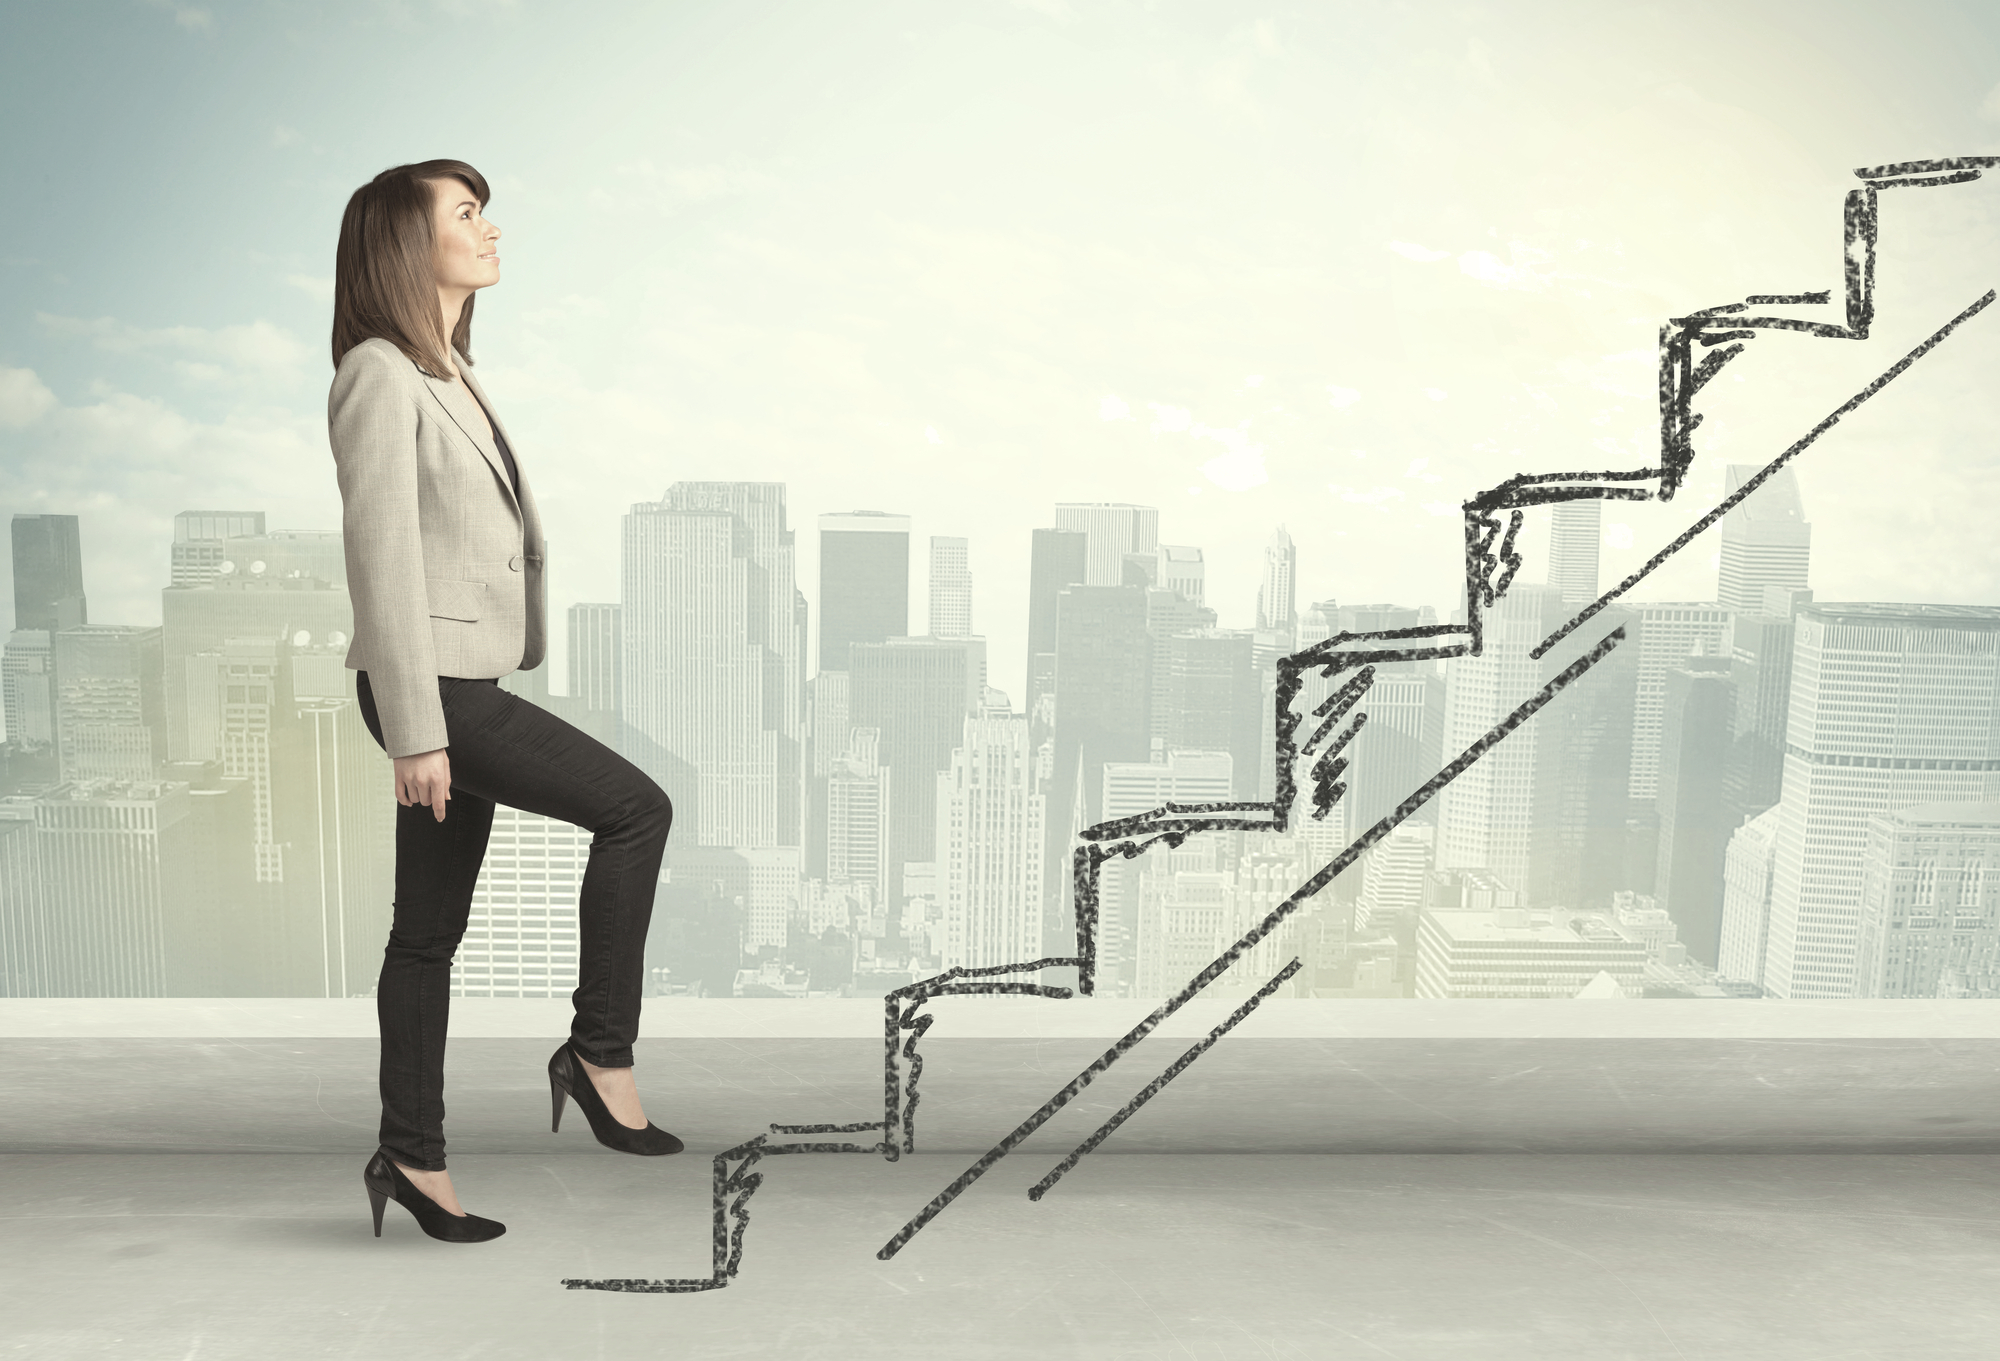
(1822, 1257)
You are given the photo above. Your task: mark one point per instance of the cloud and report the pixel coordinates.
(257, 350)
(282, 136)
(1423, 254)
(1342, 397)
(1617, 534)
(1057, 10)
(312, 286)
(1989, 107)
(1521, 272)
(1109, 408)
(24, 399)
(1239, 469)
(187, 16)
(931, 434)
(1374, 496)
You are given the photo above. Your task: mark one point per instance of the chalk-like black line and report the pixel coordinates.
(1860, 218)
(1531, 479)
(1774, 299)
(1152, 1088)
(1729, 502)
(1921, 181)
(1222, 963)
(1944, 165)
(1542, 496)
(728, 1248)
(1336, 706)
(1710, 366)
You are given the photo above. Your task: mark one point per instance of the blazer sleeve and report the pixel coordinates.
(372, 425)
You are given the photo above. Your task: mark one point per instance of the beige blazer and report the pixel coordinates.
(444, 566)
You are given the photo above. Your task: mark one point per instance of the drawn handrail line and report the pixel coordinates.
(1040, 1188)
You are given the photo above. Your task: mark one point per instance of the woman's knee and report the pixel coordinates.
(657, 808)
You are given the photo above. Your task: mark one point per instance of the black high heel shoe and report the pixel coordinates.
(568, 1078)
(385, 1182)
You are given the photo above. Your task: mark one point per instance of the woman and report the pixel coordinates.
(444, 565)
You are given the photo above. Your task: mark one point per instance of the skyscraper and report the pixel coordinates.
(1766, 540)
(1182, 569)
(1277, 596)
(521, 934)
(711, 680)
(857, 817)
(272, 586)
(864, 582)
(596, 638)
(1575, 529)
(950, 589)
(1103, 688)
(198, 534)
(115, 859)
(1746, 898)
(1129, 788)
(1205, 697)
(342, 871)
(1584, 839)
(110, 713)
(912, 691)
(48, 573)
(1401, 744)
(1930, 899)
(1669, 630)
(1486, 815)
(27, 680)
(1892, 706)
(1697, 725)
(1392, 880)
(989, 842)
(1057, 559)
(1112, 530)
(1759, 647)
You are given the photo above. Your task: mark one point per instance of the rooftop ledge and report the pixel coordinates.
(1012, 1017)
(300, 1075)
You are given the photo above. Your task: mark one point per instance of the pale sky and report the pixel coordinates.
(1336, 265)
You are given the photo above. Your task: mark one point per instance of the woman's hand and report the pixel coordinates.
(424, 778)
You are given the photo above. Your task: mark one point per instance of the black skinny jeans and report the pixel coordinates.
(505, 749)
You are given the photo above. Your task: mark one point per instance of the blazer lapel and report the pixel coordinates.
(531, 520)
(459, 405)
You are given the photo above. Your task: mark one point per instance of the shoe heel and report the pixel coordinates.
(376, 1200)
(556, 1099)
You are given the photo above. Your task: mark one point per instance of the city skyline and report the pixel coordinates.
(108, 729)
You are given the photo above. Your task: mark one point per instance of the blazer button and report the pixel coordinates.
(514, 563)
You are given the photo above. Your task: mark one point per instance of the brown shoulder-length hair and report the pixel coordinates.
(383, 284)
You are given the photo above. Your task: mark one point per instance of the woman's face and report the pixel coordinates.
(468, 252)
